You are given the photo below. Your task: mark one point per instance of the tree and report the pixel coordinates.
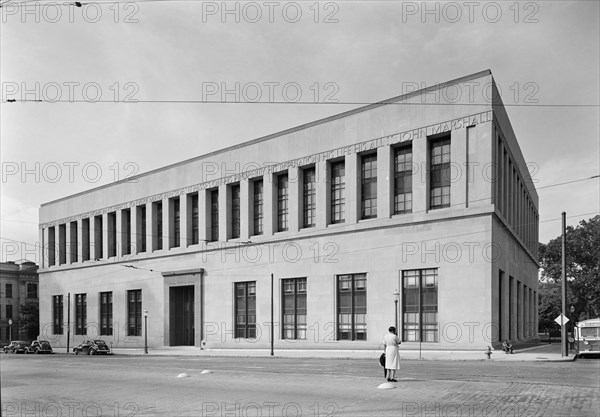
(29, 321)
(582, 271)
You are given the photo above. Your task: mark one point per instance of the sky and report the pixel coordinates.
(75, 74)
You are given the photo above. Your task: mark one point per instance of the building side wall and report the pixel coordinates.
(461, 259)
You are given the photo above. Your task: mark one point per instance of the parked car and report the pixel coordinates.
(39, 346)
(92, 347)
(16, 346)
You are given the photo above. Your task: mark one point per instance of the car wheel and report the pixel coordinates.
(92, 351)
(76, 352)
(37, 351)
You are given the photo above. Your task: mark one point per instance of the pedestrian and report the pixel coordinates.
(392, 354)
(507, 347)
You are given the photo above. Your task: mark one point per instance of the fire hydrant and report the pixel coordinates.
(489, 352)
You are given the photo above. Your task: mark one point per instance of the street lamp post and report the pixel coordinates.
(145, 331)
(396, 294)
(9, 330)
(571, 338)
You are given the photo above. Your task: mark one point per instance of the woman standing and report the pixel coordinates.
(392, 355)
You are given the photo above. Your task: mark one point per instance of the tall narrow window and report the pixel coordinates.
(134, 313)
(62, 244)
(9, 311)
(98, 237)
(51, 246)
(195, 227)
(106, 311)
(440, 174)
(282, 202)
(80, 314)
(175, 237)
(368, 176)
(293, 307)
(126, 231)
(141, 227)
(8, 290)
(352, 307)
(338, 192)
(74, 244)
(235, 211)
(57, 314)
(245, 309)
(214, 215)
(112, 234)
(310, 189)
(258, 207)
(85, 239)
(157, 209)
(403, 180)
(419, 305)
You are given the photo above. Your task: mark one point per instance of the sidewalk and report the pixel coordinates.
(540, 353)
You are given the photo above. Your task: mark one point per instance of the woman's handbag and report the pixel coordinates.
(382, 363)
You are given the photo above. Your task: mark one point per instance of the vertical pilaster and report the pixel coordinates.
(385, 181)
(120, 231)
(81, 240)
(295, 199)
(322, 191)
(246, 206)
(185, 220)
(203, 216)
(224, 212)
(133, 219)
(352, 188)
(151, 231)
(269, 199)
(458, 171)
(43, 254)
(105, 240)
(92, 223)
(67, 246)
(167, 214)
(420, 178)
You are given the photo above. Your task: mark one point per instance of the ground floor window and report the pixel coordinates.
(293, 299)
(352, 307)
(420, 305)
(57, 314)
(106, 327)
(80, 314)
(134, 313)
(245, 309)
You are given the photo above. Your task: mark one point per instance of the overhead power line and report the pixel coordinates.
(288, 102)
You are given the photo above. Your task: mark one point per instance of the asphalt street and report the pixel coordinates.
(68, 385)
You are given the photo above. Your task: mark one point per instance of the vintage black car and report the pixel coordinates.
(39, 346)
(92, 347)
(16, 346)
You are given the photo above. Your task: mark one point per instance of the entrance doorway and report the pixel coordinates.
(181, 316)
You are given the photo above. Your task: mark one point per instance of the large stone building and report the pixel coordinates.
(419, 209)
(18, 286)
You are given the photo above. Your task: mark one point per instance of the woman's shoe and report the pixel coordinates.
(389, 379)
(393, 380)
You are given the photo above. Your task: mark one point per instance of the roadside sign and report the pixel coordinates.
(561, 320)
(10, 322)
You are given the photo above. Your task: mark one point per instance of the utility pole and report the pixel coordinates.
(272, 323)
(563, 327)
(68, 319)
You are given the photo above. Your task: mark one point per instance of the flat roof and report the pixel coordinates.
(287, 131)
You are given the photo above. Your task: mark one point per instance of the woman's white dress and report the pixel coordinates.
(392, 354)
